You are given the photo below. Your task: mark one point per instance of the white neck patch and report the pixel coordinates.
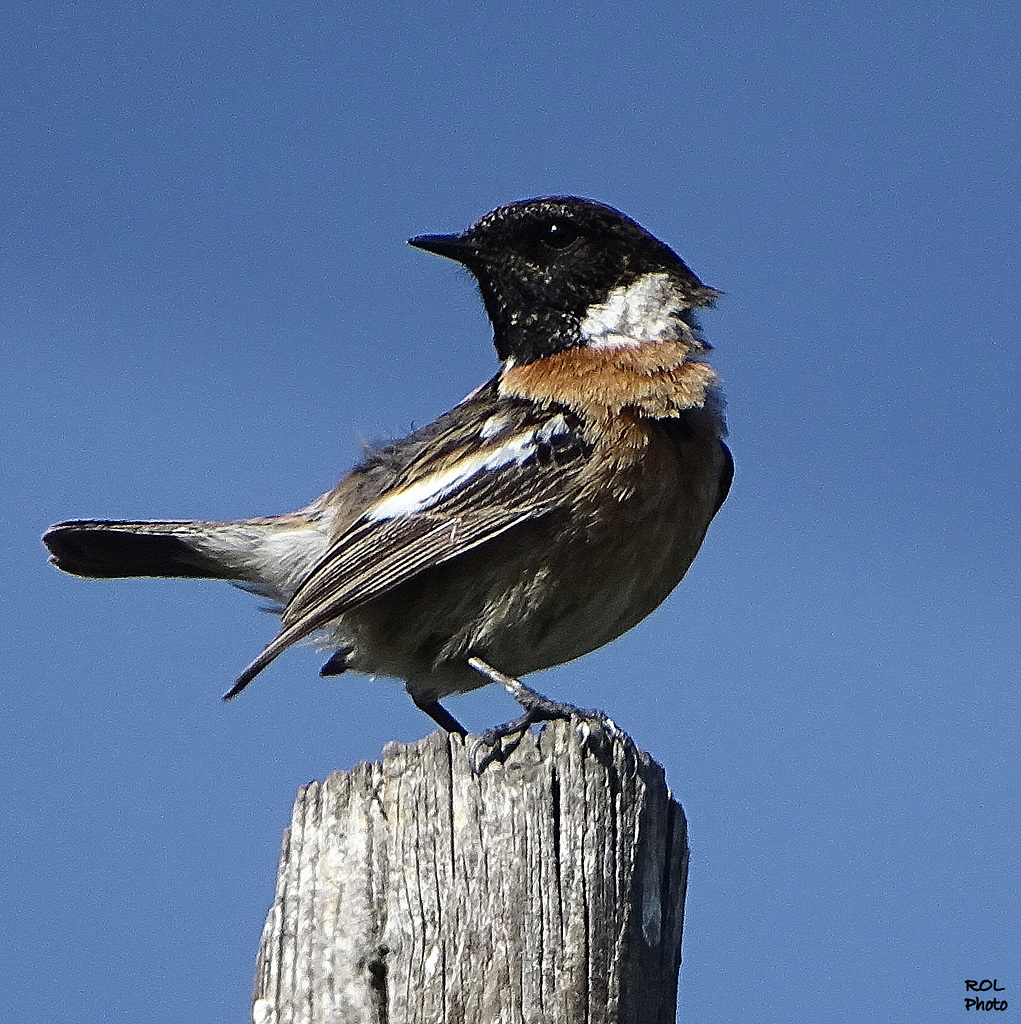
(645, 311)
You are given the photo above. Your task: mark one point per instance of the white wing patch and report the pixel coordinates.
(645, 311)
(493, 426)
(425, 493)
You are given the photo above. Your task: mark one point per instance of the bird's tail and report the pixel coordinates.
(270, 556)
(104, 549)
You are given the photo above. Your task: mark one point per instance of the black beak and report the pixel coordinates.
(454, 247)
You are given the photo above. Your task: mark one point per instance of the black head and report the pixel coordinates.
(554, 274)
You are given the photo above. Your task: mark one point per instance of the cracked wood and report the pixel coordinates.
(550, 888)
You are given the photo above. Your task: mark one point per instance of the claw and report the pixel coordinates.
(490, 746)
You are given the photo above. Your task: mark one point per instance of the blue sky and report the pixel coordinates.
(207, 306)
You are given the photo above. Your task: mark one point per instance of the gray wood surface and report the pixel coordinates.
(550, 888)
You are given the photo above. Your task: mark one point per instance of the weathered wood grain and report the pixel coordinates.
(548, 889)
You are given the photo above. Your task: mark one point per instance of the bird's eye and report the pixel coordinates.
(559, 234)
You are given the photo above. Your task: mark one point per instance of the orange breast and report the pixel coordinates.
(656, 381)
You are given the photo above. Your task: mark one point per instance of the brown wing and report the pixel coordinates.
(451, 499)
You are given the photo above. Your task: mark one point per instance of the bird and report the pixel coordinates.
(544, 515)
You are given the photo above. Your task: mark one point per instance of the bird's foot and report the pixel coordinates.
(499, 743)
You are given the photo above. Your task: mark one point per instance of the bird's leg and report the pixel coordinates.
(541, 708)
(440, 715)
(538, 708)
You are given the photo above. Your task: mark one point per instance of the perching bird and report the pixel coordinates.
(544, 515)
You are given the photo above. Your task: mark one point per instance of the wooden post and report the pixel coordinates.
(547, 889)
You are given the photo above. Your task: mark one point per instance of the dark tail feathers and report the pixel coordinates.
(109, 549)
